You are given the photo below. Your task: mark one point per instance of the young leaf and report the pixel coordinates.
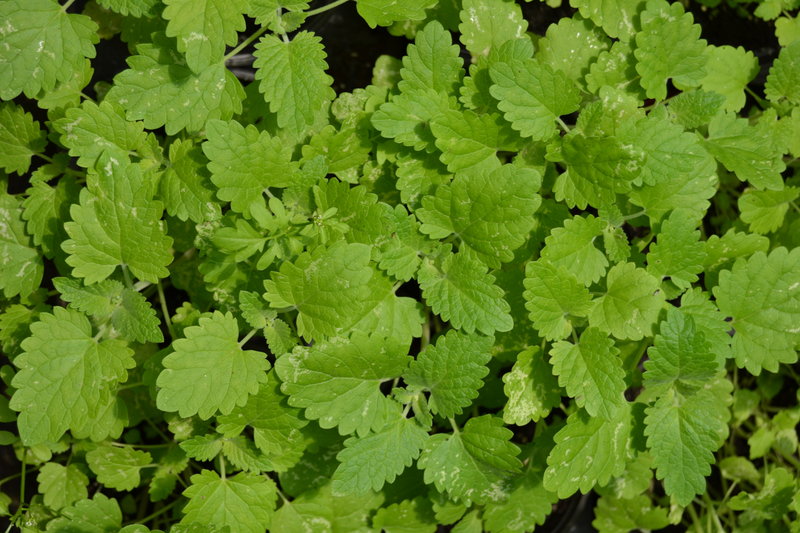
(572, 248)
(668, 47)
(451, 370)
(204, 27)
(243, 503)
(784, 76)
(61, 485)
(21, 267)
(462, 292)
(40, 45)
(244, 162)
(432, 62)
(367, 463)
(473, 464)
(338, 382)
(532, 96)
(117, 468)
(762, 295)
(616, 17)
(209, 371)
(630, 305)
(104, 235)
(678, 254)
(552, 294)
(293, 78)
(728, 71)
(384, 12)
(591, 372)
(20, 138)
(66, 377)
(487, 24)
(589, 451)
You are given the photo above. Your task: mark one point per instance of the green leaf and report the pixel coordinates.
(109, 300)
(531, 389)
(572, 248)
(366, 463)
(293, 79)
(330, 287)
(244, 162)
(527, 506)
(591, 372)
(432, 62)
(784, 76)
(276, 425)
(90, 130)
(209, 371)
(468, 141)
(136, 8)
(630, 305)
(202, 448)
(66, 377)
(186, 185)
(621, 515)
(682, 434)
(117, 468)
(492, 212)
(21, 267)
(728, 71)
(678, 252)
(40, 45)
(338, 382)
(408, 516)
(100, 514)
(46, 209)
(161, 91)
(532, 96)
(765, 211)
(117, 223)
(243, 503)
(616, 17)
(406, 118)
(668, 47)
(558, 48)
(61, 485)
(748, 151)
(589, 451)
(553, 294)
(762, 295)
(452, 371)
(463, 293)
(271, 12)
(20, 138)
(487, 24)
(203, 28)
(473, 464)
(321, 509)
(384, 12)
(681, 356)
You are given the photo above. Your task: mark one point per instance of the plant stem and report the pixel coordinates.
(563, 125)
(325, 8)
(248, 337)
(258, 33)
(165, 311)
(127, 276)
(158, 513)
(66, 6)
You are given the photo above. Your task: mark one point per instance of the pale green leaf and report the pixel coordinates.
(630, 305)
(116, 467)
(764, 211)
(589, 451)
(432, 62)
(616, 17)
(468, 141)
(668, 47)
(100, 514)
(186, 185)
(591, 372)
(117, 223)
(40, 45)
(136, 8)
(406, 118)
(46, 210)
(728, 71)
(622, 515)
(527, 506)
(61, 485)
(321, 510)
(531, 388)
(572, 248)
(244, 162)
(20, 138)
(474, 464)
(338, 382)
(209, 371)
(243, 503)
(762, 296)
(204, 27)
(293, 79)
(463, 293)
(553, 295)
(367, 463)
(408, 516)
(21, 267)
(532, 95)
(487, 24)
(678, 252)
(385, 12)
(571, 46)
(452, 370)
(783, 81)
(66, 377)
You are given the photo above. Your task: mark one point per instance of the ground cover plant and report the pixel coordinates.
(512, 269)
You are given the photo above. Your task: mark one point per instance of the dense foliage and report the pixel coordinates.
(511, 269)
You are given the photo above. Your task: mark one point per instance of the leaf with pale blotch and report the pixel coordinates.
(21, 267)
(531, 388)
(61, 485)
(765, 211)
(487, 24)
(118, 468)
(728, 71)
(20, 138)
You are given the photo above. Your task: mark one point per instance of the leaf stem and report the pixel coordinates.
(760, 101)
(563, 125)
(248, 337)
(241, 46)
(127, 276)
(158, 513)
(9, 478)
(66, 6)
(325, 8)
(454, 425)
(22, 479)
(165, 311)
